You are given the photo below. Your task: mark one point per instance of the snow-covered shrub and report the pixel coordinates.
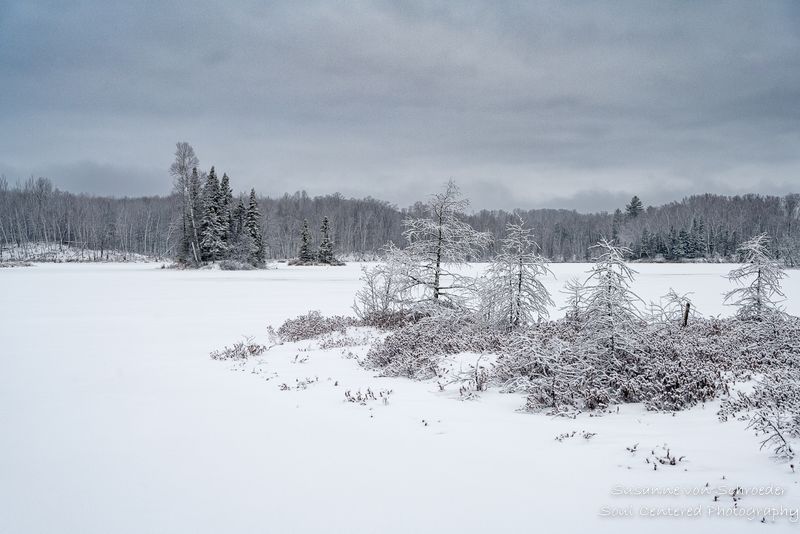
(313, 324)
(241, 350)
(379, 302)
(772, 409)
(416, 349)
(677, 371)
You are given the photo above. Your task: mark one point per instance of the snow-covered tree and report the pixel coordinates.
(325, 252)
(512, 293)
(305, 255)
(238, 218)
(212, 241)
(573, 289)
(634, 208)
(252, 229)
(184, 173)
(759, 280)
(226, 207)
(438, 241)
(612, 321)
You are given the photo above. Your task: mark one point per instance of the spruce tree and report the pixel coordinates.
(682, 245)
(238, 219)
(193, 217)
(212, 242)
(305, 255)
(325, 253)
(252, 228)
(226, 207)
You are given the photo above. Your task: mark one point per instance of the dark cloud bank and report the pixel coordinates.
(562, 104)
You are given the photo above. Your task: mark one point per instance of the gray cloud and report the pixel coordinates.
(578, 104)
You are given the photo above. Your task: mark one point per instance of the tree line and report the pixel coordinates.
(202, 220)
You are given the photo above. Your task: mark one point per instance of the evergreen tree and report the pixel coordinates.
(212, 241)
(237, 216)
(645, 246)
(226, 207)
(616, 223)
(634, 208)
(712, 241)
(700, 242)
(325, 253)
(252, 229)
(724, 239)
(692, 249)
(682, 245)
(195, 192)
(305, 256)
(672, 244)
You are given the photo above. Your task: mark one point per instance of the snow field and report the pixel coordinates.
(114, 419)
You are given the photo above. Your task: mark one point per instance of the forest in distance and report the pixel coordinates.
(706, 227)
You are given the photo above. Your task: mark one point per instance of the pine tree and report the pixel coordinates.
(305, 255)
(212, 241)
(252, 229)
(325, 253)
(634, 208)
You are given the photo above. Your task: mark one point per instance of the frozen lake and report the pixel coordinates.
(114, 419)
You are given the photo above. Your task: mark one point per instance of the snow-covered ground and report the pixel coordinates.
(114, 419)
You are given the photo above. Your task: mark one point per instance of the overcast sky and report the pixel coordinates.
(530, 104)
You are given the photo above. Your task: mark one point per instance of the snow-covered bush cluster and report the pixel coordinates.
(772, 409)
(415, 350)
(313, 324)
(610, 348)
(241, 350)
